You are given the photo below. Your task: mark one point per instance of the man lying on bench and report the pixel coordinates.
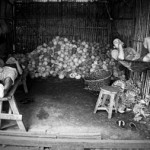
(8, 73)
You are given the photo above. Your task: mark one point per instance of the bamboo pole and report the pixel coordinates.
(142, 28)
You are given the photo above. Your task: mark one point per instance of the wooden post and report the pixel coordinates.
(15, 111)
(1, 104)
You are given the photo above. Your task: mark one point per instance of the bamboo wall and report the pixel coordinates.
(6, 27)
(40, 22)
(142, 24)
(142, 30)
(123, 23)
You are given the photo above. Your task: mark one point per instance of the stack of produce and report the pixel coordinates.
(73, 59)
(40, 61)
(67, 58)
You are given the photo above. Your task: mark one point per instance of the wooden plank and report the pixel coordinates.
(5, 98)
(86, 143)
(27, 134)
(25, 73)
(67, 147)
(45, 134)
(9, 111)
(25, 85)
(10, 124)
(10, 116)
(81, 135)
(17, 82)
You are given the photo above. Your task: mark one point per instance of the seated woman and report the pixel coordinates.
(8, 73)
(130, 58)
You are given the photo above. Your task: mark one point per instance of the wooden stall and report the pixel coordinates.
(35, 23)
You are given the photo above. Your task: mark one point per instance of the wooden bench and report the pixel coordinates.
(13, 113)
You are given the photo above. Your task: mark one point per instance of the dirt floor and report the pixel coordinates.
(64, 107)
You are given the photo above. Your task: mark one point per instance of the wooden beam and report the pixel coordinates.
(67, 147)
(11, 124)
(1, 106)
(15, 111)
(86, 143)
(5, 98)
(10, 116)
(17, 82)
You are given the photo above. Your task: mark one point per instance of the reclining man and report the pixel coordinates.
(8, 74)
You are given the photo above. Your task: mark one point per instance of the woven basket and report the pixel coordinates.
(98, 79)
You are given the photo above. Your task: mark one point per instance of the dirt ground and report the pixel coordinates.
(64, 107)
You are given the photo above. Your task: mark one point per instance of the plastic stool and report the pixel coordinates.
(107, 92)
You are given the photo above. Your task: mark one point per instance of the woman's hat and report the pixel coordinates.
(117, 41)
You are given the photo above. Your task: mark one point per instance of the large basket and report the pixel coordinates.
(98, 79)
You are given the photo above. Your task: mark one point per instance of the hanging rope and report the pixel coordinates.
(108, 12)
